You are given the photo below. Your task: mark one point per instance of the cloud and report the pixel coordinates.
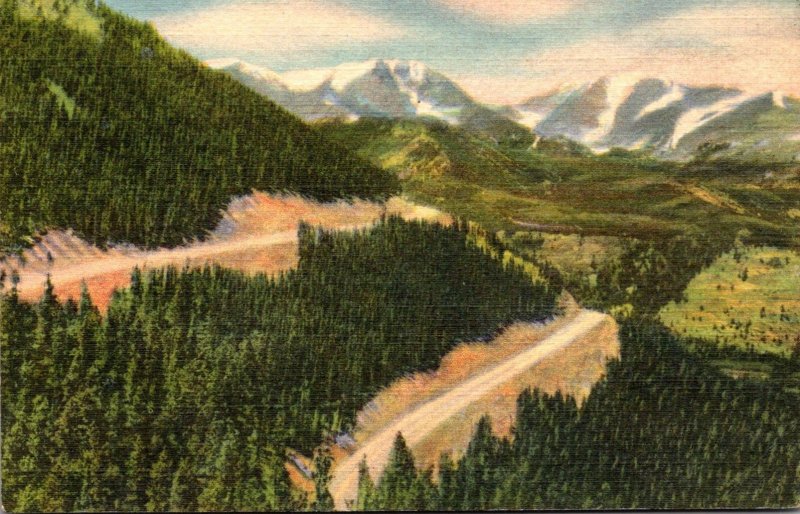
(513, 12)
(751, 46)
(277, 27)
(497, 89)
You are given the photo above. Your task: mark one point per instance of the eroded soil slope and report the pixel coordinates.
(437, 412)
(258, 233)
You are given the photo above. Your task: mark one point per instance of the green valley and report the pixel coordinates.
(515, 184)
(749, 298)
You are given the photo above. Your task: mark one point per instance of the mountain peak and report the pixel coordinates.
(630, 110)
(414, 71)
(245, 68)
(392, 88)
(339, 77)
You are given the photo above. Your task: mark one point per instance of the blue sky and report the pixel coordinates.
(500, 50)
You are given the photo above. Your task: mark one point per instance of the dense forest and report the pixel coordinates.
(123, 138)
(662, 431)
(650, 273)
(665, 429)
(186, 395)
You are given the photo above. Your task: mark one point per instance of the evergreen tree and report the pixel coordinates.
(323, 501)
(395, 490)
(366, 487)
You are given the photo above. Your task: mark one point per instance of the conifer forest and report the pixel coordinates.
(243, 268)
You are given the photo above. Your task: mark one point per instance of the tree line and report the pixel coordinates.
(187, 393)
(126, 139)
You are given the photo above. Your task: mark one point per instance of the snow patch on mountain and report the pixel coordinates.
(779, 99)
(377, 87)
(675, 95)
(409, 76)
(630, 110)
(618, 89)
(695, 118)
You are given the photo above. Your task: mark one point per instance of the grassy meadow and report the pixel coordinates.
(749, 298)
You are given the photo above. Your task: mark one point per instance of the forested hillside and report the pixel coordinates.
(116, 134)
(662, 431)
(666, 428)
(187, 394)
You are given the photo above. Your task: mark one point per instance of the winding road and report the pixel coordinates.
(148, 259)
(255, 223)
(32, 281)
(420, 421)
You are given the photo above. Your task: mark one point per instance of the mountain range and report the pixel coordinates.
(674, 119)
(627, 111)
(375, 88)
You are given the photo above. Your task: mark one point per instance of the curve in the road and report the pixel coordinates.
(417, 423)
(108, 264)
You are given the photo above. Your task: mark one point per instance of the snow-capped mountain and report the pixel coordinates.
(376, 88)
(626, 111)
(640, 112)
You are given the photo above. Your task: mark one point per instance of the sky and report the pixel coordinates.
(501, 51)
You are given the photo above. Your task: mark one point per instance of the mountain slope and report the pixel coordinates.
(418, 423)
(765, 127)
(123, 138)
(375, 88)
(555, 186)
(626, 111)
(671, 119)
(418, 150)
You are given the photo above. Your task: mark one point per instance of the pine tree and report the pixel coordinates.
(395, 487)
(323, 501)
(448, 484)
(366, 487)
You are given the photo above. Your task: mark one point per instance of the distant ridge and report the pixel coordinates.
(634, 112)
(630, 111)
(374, 88)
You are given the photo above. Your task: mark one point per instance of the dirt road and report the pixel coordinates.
(154, 259)
(417, 423)
(258, 233)
(102, 266)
